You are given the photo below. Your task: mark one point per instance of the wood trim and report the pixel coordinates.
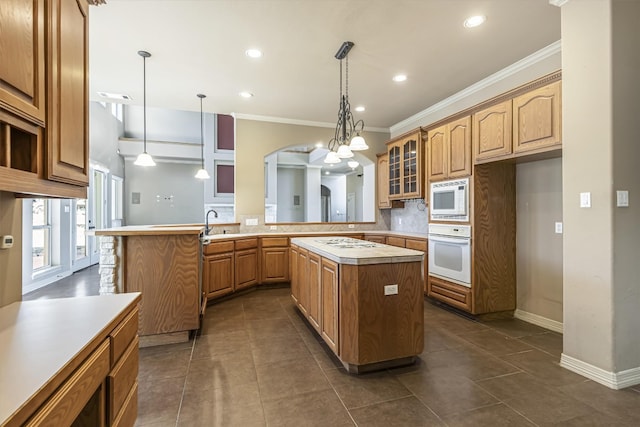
(542, 81)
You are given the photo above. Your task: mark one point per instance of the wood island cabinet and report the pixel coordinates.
(44, 98)
(314, 271)
(449, 150)
(293, 274)
(329, 329)
(303, 280)
(405, 165)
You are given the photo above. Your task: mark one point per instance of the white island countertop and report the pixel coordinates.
(345, 250)
(39, 338)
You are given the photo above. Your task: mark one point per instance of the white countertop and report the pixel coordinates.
(214, 237)
(345, 250)
(38, 338)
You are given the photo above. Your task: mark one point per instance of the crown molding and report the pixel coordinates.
(282, 120)
(512, 69)
(558, 3)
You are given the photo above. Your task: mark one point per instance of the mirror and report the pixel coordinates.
(300, 187)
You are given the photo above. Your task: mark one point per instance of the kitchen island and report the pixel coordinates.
(163, 263)
(365, 299)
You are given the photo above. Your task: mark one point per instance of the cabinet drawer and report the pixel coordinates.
(62, 408)
(395, 241)
(246, 244)
(123, 334)
(218, 247)
(129, 413)
(418, 245)
(453, 294)
(270, 242)
(122, 378)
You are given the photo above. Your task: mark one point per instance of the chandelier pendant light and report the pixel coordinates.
(144, 159)
(202, 172)
(346, 138)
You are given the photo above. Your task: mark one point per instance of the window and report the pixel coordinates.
(224, 178)
(41, 235)
(116, 198)
(81, 227)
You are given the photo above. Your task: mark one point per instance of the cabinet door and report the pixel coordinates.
(303, 281)
(313, 273)
(246, 268)
(22, 67)
(67, 131)
(395, 241)
(275, 265)
(383, 181)
(411, 180)
(537, 119)
(459, 148)
(329, 293)
(218, 275)
(492, 132)
(293, 273)
(437, 153)
(395, 190)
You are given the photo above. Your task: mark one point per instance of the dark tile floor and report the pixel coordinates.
(258, 363)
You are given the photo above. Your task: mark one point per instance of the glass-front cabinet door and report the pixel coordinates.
(410, 168)
(395, 190)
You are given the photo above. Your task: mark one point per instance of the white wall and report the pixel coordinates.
(156, 185)
(313, 200)
(290, 184)
(538, 247)
(105, 130)
(338, 186)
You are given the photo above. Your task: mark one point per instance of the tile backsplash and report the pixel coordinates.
(414, 217)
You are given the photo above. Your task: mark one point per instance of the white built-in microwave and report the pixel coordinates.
(449, 200)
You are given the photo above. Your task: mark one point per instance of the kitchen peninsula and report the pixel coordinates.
(365, 299)
(163, 263)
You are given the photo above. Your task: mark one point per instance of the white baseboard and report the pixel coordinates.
(614, 380)
(543, 322)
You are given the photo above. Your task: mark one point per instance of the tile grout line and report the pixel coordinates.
(184, 385)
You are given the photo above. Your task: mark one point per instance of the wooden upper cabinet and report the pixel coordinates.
(383, 181)
(459, 148)
(537, 119)
(449, 150)
(437, 153)
(22, 48)
(67, 130)
(406, 171)
(492, 131)
(394, 163)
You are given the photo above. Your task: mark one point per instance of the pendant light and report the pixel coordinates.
(144, 159)
(347, 137)
(202, 172)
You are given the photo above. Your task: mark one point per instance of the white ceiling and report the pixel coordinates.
(198, 46)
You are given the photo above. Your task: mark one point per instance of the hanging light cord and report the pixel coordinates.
(201, 134)
(144, 102)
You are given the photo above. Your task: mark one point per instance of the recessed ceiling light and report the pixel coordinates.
(253, 53)
(327, 172)
(399, 78)
(360, 108)
(318, 144)
(474, 21)
(246, 94)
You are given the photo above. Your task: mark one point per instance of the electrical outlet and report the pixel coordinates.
(351, 225)
(558, 228)
(273, 227)
(251, 221)
(391, 289)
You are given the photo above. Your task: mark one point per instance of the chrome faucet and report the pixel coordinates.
(206, 223)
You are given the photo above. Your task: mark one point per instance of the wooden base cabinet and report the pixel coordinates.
(346, 304)
(274, 265)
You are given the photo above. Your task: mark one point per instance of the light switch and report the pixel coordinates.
(558, 228)
(585, 200)
(622, 198)
(251, 221)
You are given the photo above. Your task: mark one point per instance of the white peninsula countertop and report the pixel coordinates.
(345, 250)
(39, 339)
